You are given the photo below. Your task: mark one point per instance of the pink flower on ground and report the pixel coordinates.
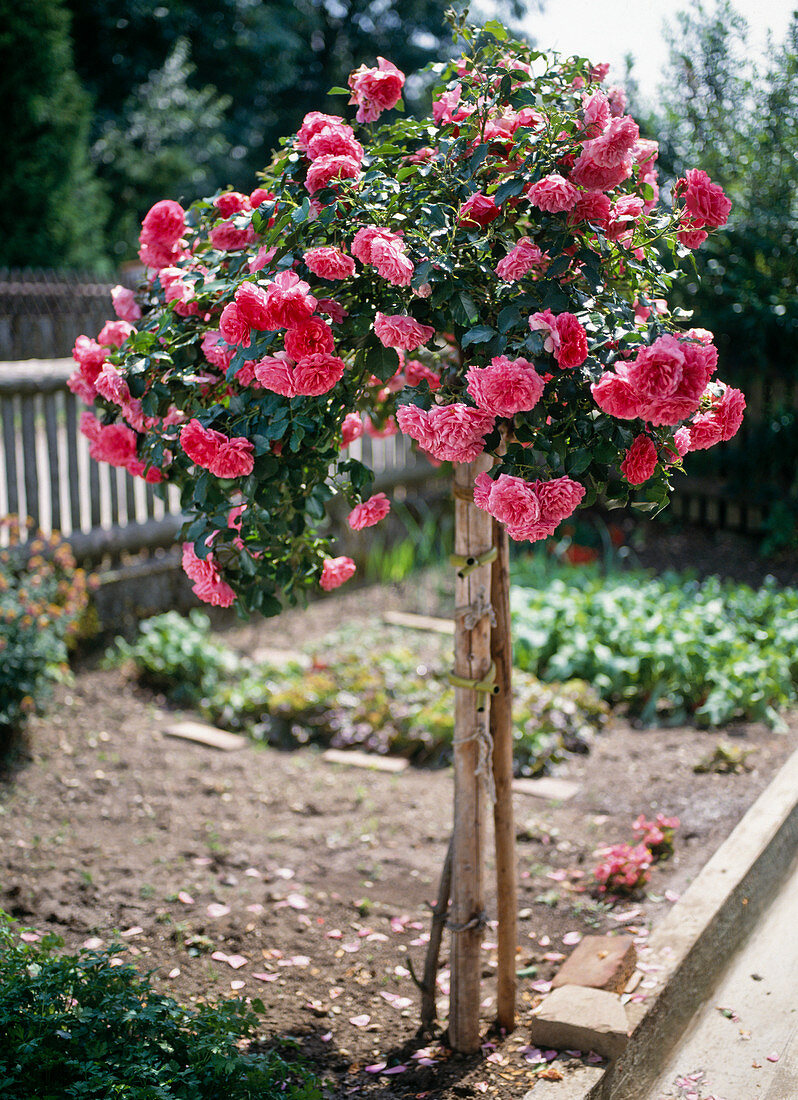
(335, 572)
(376, 90)
(310, 337)
(233, 326)
(330, 169)
(369, 512)
(317, 374)
(351, 429)
(571, 349)
(524, 258)
(452, 433)
(401, 332)
(125, 305)
(506, 386)
(275, 373)
(553, 193)
(479, 210)
(252, 307)
(227, 238)
(641, 460)
(329, 263)
(704, 200)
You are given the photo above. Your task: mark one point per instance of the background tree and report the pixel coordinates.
(51, 205)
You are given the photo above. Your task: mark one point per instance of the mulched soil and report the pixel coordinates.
(318, 875)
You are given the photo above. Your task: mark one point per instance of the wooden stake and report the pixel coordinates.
(428, 984)
(501, 728)
(472, 538)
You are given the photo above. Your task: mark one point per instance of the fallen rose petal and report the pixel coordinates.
(237, 985)
(773, 1057)
(263, 977)
(325, 1038)
(116, 961)
(174, 972)
(592, 1058)
(93, 943)
(255, 908)
(236, 961)
(252, 872)
(136, 930)
(377, 937)
(544, 941)
(570, 939)
(378, 1067)
(216, 909)
(557, 876)
(394, 1069)
(481, 1086)
(401, 971)
(540, 986)
(30, 937)
(350, 948)
(360, 1021)
(219, 956)
(395, 1000)
(284, 872)
(297, 901)
(671, 895)
(185, 898)
(202, 861)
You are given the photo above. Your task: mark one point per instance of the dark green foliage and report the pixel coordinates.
(51, 205)
(76, 1028)
(671, 649)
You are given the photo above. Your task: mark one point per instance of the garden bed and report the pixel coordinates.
(318, 875)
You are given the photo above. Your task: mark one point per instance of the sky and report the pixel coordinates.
(606, 30)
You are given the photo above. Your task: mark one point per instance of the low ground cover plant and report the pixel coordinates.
(626, 868)
(43, 598)
(78, 1026)
(372, 690)
(670, 648)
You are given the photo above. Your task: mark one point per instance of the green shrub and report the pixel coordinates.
(670, 648)
(74, 1027)
(42, 600)
(177, 654)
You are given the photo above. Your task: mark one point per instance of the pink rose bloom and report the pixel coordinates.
(641, 460)
(521, 260)
(506, 386)
(164, 223)
(313, 124)
(416, 372)
(234, 458)
(692, 238)
(334, 141)
(614, 396)
(258, 196)
(331, 168)
(704, 200)
(452, 433)
(510, 500)
(705, 431)
(559, 498)
(657, 370)
(261, 259)
(330, 308)
(226, 238)
(446, 108)
(681, 441)
(402, 332)
(571, 349)
(252, 307)
(368, 513)
(114, 444)
(110, 384)
(290, 300)
(617, 97)
(329, 263)
(201, 444)
(317, 374)
(596, 108)
(729, 411)
(553, 193)
(156, 255)
(388, 429)
(230, 203)
(351, 429)
(391, 262)
(78, 385)
(614, 146)
(598, 73)
(310, 337)
(593, 176)
(233, 327)
(364, 239)
(376, 90)
(645, 152)
(125, 305)
(592, 206)
(335, 572)
(216, 350)
(700, 363)
(208, 585)
(152, 475)
(90, 356)
(544, 321)
(623, 216)
(479, 210)
(90, 426)
(275, 373)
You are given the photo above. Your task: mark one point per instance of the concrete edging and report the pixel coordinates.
(696, 939)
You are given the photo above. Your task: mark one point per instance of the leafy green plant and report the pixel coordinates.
(75, 1027)
(43, 597)
(178, 655)
(670, 648)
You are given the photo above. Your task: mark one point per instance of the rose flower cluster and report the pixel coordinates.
(484, 281)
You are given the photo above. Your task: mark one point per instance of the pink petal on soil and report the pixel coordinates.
(252, 872)
(93, 943)
(377, 937)
(360, 1021)
(30, 937)
(378, 1067)
(570, 939)
(174, 972)
(325, 1038)
(256, 908)
(284, 872)
(116, 961)
(350, 948)
(394, 1069)
(236, 961)
(219, 956)
(136, 930)
(395, 1000)
(540, 986)
(297, 901)
(544, 941)
(266, 977)
(557, 876)
(671, 895)
(592, 1058)
(334, 934)
(773, 1057)
(216, 909)
(237, 985)
(185, 898)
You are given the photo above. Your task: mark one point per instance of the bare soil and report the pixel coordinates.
(320, 875)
